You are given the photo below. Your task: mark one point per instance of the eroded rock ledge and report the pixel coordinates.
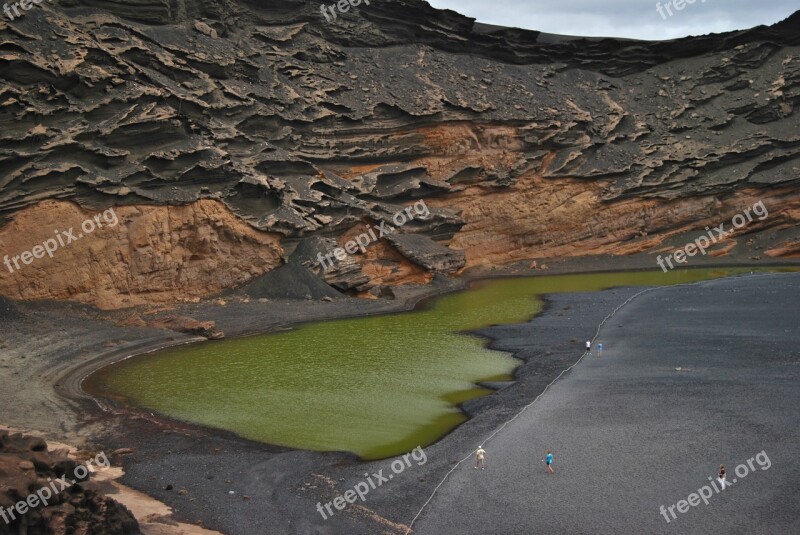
(525, 145)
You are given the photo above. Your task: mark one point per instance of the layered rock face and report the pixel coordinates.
(152, 254)
(301, 133)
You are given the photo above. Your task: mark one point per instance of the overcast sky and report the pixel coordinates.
(624, 18)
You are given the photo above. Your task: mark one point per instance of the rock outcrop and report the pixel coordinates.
(26, 466)
(525, 145)
(183, 324)
(153, 254)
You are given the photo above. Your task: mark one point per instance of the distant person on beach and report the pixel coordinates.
(549, 461)
(588, 346)
(480, 457)
(599, 349)
(722, 481)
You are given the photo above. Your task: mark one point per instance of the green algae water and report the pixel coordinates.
(376, 386)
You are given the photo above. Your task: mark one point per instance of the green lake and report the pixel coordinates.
(376, 386)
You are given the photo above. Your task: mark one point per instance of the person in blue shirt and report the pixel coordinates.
(549, 461)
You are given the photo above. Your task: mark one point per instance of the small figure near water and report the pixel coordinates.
(722, 481)
(480, 456)
(549, 461)
(588, 346)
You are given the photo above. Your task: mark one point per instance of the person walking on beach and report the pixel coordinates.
(722, 481)
(588, 346)
(549, 461)
(480, 457)
(599, 349)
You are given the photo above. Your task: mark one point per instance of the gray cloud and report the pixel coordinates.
(624, 18)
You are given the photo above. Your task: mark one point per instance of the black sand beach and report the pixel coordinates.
(690, 378)
(225, 483)
(287, 485)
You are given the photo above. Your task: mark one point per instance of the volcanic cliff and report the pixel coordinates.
(237, 140)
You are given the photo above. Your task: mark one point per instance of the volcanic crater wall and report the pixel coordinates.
(234, 137)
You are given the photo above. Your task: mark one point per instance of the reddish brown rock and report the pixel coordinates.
(186, 325)
(154, 254)
(785, 250)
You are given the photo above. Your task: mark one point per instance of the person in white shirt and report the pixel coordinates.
(588, 346)
(480, 455)
(723, 482)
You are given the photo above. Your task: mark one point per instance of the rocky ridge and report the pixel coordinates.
(525, 145)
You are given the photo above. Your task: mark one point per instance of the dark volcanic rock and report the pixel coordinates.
(8, 311)
(291, 101)
(427, 253)
(307, 128)
(345, 275)
(291, 281)
(27, 466)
